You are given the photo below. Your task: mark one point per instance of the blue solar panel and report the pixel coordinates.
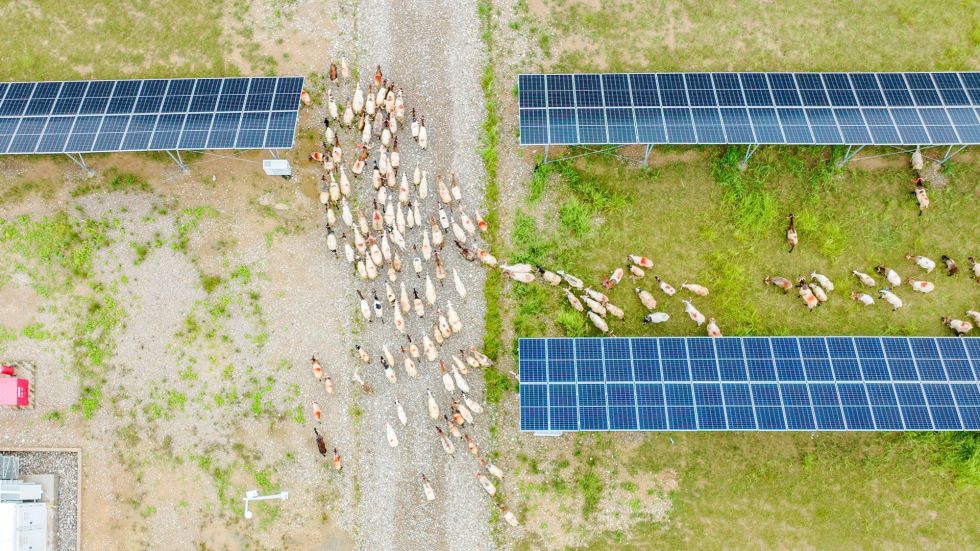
(751, 383)
(793, 108)
(142, 115)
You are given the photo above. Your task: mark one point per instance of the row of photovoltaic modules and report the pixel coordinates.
(144, 115)
(750, 108)
(757, 383)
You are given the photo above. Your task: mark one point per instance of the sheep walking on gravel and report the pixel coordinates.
(317, 368)
(430, 494)
(320, 444)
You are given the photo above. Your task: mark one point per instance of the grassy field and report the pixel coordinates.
(50, 40)
(701, 220)
(700, 35)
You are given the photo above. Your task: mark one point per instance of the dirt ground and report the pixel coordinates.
(223, 288)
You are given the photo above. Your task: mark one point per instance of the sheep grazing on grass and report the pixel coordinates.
(951, 267)
(920, 285)
(959, 327)
(665, 287)
(656, 317)
(921, 197)
(923, 262)
(891, 298)
(809, 298)
(646, 298)
(864, 278)
(778, 281)
(792, 239)
(891, 275)
(641, 261)
(613, 279)
(975, 315)
(692, 312)
(863, 298)
(699, 290)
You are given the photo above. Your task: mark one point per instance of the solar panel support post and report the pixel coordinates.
(851, 152)
(646, 154)
(950, 153)
(545, 153)
(175, 155)
(80, 161)
(274, 153)
(748, 153)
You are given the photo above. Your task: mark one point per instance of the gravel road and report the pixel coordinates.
(432, 49)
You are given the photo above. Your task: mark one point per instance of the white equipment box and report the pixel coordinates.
(277, 167)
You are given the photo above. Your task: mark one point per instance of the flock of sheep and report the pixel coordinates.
(400, 239)
(378, 240)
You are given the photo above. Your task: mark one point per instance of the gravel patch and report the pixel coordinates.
(439, 73)
(64, 464)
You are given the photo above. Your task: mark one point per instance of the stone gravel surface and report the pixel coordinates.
(432, 49)
(64, 464)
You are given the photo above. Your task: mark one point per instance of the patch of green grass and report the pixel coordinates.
(112, 180)
(134, 39)
(210, 282)
(496, 382)
(90, 401)
(585, 37)
(16, 192)
(37, 332)
(572, 323)
(188, 220)
(56, 249)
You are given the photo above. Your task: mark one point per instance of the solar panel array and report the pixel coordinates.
(757, 383)
(144, 115)
(750, 108)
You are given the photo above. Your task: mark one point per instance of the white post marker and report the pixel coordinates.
(253, 495)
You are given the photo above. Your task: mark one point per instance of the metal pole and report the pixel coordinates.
(748, 153)
(546, 153)
(646, 154)
(175, 155)
(80, 161)
(274, 154)
(950, 153)
(851, 152)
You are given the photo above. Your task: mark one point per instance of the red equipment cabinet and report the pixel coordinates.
(14, 392)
